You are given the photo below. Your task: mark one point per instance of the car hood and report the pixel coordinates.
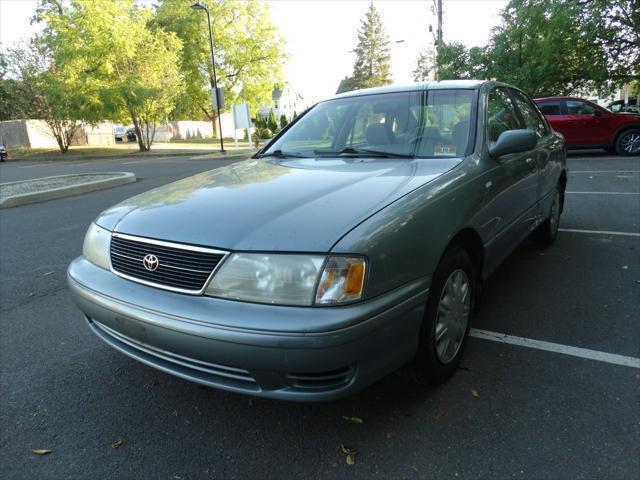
(294, 205)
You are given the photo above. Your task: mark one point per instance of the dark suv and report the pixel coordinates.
(587, 125)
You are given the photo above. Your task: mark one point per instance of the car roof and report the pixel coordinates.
(440, 85)
(559, 99)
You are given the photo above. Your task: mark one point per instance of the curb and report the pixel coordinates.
(141, 156)
(121, 178)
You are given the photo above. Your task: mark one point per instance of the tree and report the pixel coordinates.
(544, 48)
(272, 123)
(125, 69)
(38, 88)
(372, 67)
(552, 47)
(283, 121)
(616, 24)
(425, 66)
(249, 53)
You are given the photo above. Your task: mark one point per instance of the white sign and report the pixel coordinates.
(241, 116)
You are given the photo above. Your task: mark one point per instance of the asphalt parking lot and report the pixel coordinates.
(549, 385)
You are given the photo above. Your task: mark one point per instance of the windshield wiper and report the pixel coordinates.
(280, 154)
(365, 152)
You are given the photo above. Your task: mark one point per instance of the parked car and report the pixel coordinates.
(122, 133)
(620, 106)
(131, 134)
(3, 152)
(587, 125)
(355, 241)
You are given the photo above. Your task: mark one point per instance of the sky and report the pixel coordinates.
(320, 34)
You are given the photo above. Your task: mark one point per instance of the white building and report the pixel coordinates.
(285, 101)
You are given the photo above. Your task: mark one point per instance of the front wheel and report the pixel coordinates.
(628, 143)
(545, 234)
(446, 322)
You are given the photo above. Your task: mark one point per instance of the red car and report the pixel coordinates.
(587, 125)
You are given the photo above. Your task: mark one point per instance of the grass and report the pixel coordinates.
(127, 149)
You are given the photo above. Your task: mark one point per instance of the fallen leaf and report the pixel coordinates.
(48, 273)
(350, 453)
(117, 443)
(475, 393)
(41, 452)
(357, 420)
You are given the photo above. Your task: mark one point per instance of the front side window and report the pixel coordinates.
(550, 108)
(501, 114)
(428, 123)
(532, 119)
(579, 108)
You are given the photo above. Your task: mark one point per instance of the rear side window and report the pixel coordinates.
(578, 108)
(501, 114)
(532, 119)
(550, 108)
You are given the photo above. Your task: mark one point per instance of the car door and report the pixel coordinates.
(548, 150)
(584, 123)
(512, 209)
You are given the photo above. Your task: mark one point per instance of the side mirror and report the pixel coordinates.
(513, 141)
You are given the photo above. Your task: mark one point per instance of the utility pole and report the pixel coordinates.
(439, 9)
(436, 9)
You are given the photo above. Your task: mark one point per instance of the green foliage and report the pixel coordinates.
(263, 133)
(38, 88)
(372, 67)
(272, 123)
(615, 26)
(283, 121)
(425, 66)
(249, 53)
(122, 68)
(553, 47)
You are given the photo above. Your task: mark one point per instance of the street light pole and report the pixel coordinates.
(202, 6)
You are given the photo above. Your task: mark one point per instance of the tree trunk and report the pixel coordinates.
(138, 130)
(213, 118)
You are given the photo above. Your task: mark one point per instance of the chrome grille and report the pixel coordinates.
(181, 268)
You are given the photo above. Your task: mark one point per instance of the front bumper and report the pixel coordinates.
(291, 353)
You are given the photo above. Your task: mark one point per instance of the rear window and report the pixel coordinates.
(579, 108)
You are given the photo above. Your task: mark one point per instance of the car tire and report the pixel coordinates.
(628, 142)
(545, 234)
(447, 318)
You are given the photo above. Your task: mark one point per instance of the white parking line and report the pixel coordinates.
(606, 193)
(557, 348)
(604, 171)
(599, 232)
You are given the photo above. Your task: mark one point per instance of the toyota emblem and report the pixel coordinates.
(151, 262)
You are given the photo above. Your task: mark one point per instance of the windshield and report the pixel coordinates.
(423, 123)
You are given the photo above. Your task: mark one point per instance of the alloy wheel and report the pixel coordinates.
(453, 315)
(631, 143)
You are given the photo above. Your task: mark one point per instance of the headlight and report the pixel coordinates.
(342, 280)
(267, 278)
(96, 246)
(285, 279)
